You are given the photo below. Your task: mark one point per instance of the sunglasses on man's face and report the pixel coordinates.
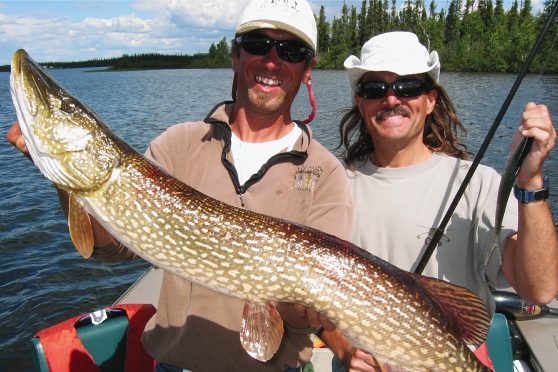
(292, 51)
(404, 88)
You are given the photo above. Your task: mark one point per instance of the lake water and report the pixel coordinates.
(43, 280)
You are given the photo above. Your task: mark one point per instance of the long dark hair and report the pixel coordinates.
(443, 131)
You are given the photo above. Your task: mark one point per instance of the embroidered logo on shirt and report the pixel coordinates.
(306, 177)
(427, 236)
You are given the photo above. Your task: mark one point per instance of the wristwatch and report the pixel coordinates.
(528, 196)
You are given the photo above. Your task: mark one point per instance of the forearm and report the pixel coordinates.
(338, 344)
(531, 256)
(531, 261)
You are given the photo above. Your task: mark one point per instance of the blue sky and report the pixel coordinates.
(85, 29)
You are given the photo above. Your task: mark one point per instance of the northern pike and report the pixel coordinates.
(511, 169)
(408, 322)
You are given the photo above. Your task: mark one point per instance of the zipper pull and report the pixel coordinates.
(241, 201)
(240, 193)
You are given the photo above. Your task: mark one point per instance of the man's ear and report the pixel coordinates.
(358, 101)
(308, 71)
(235, 53)
(235, 63)
(432, 96)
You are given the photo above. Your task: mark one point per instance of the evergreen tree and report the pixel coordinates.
(353, 41)
(394, 24)
(451, 32)
(362, 24)
(371, 25)
(323, 32)
(499, 40)
(379, 17)
(386, 20)
(545, 61)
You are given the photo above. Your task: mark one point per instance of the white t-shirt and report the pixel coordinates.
(249, 157)
(398, 209)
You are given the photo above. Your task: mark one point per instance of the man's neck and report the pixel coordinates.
(391, 156)
(256, 127)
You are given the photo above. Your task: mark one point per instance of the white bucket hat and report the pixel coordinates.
(294, 16)
(398, 52)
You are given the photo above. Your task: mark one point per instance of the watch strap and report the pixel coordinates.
(529, 196)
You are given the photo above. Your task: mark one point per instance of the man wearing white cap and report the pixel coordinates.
(249, 153)
(405, 163)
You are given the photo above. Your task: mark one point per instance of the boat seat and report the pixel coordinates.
(499, 345)
(101, 346)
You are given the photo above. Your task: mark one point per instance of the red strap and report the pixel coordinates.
(64, 351)
(482, 354)
(137, 358)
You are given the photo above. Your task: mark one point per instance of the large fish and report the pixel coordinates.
(511, 169)
(407, 321)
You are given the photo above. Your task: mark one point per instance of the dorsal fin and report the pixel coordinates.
(464, 309)
(79, 224)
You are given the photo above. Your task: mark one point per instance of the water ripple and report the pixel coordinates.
(44, 280)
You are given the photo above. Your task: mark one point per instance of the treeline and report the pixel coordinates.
(470, 35)
(219, 55)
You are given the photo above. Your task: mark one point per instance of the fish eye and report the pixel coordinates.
(67, 105)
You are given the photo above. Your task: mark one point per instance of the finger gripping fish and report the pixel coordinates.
(409, 322)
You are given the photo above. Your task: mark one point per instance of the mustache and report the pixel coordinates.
(397, 110)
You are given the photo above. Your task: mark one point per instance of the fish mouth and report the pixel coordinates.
(27, 99)
(31, 83)
(17, 59)
(56, 127)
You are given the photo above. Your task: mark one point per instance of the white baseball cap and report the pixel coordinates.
(294, 16)
(398, 52)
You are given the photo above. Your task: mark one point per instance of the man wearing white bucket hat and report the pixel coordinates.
(248, 152)
(405, 163)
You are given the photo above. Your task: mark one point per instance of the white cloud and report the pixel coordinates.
(125, 24)
(219, 14)
(59, 38)
(50, 37)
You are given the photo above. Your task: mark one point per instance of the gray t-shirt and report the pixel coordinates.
(398, 209)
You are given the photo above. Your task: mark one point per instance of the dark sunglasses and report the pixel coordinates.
(292, 51)
(404, 88)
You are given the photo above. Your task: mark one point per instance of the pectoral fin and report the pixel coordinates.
(81, 231)
(261, 331)
(464, 309)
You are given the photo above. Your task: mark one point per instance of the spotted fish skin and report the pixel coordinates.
(407, 321)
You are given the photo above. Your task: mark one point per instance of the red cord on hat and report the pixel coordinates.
(312, 102)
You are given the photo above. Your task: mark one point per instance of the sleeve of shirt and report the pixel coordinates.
(332, 210)
(162, 150)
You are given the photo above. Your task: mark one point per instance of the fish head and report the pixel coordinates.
(67, 141)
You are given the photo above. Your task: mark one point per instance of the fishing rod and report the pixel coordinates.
(516, 308)
(441, 228)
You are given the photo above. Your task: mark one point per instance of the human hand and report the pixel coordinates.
(299, 316)
(15, 137)
(363, 362)
(537, 123)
